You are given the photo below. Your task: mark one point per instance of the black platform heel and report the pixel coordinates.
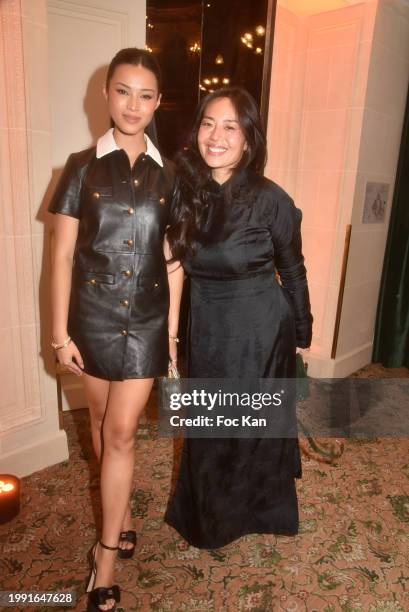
(99, 596)
(127, 536)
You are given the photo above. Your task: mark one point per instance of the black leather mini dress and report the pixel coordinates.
(118, 314)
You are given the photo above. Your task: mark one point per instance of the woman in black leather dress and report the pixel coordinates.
(115, 302)
(233, 230)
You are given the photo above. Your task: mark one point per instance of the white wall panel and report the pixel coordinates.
(83, 36)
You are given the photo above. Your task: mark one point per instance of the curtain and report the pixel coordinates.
(391, 343)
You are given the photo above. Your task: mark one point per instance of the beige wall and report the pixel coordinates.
(77, 106)
(32, 150)
(30, 438)
(339, 82)
(377, 159)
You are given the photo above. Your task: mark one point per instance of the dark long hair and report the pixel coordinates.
(135, 57)
(193, 214)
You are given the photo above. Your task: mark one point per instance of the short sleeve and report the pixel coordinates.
(66, 197)
(285, 228)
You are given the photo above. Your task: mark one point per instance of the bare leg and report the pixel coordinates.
(96, 392)
(126, 401)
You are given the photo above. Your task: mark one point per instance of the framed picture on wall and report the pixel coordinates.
(376, 197)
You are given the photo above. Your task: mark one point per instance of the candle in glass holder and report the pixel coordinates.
(9, 497)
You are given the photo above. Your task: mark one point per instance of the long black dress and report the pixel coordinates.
(243, 323)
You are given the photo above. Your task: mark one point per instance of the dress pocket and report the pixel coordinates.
(154, 197)
(150, 283)
(97, 278)
(96, 192)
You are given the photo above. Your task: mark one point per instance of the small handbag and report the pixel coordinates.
(303, 388)
(173, 371)
(169, 385)
(319, 449)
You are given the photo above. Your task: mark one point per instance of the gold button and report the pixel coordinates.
(136, 182)
(124, 332)
(162, 200)
(127, 273)
(92, 281)
(96, 195)
(129, 242)
(156, 285)
(124, 303)
(130, 211)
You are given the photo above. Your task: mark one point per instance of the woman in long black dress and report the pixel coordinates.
(234, 229)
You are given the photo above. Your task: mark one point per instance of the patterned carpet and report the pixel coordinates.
(352, 553)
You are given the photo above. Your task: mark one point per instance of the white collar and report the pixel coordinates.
(106, 144)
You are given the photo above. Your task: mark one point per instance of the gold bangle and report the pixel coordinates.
(174, 338)
(57, 346)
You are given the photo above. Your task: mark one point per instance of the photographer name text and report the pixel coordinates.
(219, 421)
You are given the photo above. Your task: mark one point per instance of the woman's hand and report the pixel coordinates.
(173, 350)
(175, 278)
(303, 351)
(70, 358)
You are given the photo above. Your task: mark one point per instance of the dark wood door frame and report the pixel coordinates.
(268, 60)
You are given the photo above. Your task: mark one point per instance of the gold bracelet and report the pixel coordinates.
(57, 346)
(174, 338)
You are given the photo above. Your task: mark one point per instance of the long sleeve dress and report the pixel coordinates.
(244, 323)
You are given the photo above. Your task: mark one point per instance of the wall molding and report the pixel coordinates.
(324, 367)
(41, 453)
(30, 437)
